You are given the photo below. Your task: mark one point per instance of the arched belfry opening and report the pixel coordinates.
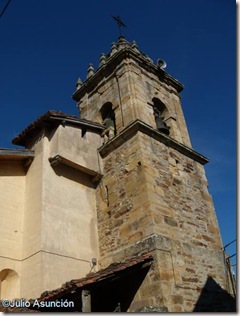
(160, 114)
(108, 120)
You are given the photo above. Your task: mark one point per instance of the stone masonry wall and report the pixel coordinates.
(182, 211)
(148, 190)
(122, 200)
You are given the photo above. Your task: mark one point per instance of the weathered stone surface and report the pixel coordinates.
(179, 214)
(152, 309)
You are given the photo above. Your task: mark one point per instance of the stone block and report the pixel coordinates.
(139, 200)
(170, 221)
(177, 309)
(207, 238)
(113, 198)
(161, 209)
(158, 219)
(151, 290)
(131, 186)
(110, 181)
(166, 275)
(103, 207)
(177, 299)
(190, 279)
(135, 237)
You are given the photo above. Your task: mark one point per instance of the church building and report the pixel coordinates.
(111, 209)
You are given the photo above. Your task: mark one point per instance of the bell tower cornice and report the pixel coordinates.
(123, 53)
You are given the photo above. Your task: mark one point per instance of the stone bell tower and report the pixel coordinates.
(153, 195)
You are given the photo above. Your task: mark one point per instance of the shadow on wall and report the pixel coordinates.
(74, 175)
(214, 299)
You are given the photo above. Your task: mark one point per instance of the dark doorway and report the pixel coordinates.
(117, 293)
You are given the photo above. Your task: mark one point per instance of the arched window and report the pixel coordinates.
(159, 112)
(9, 284)
(108, 116)
(108, 120)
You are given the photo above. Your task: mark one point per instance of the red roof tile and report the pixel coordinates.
(95, 277)
(51, 116)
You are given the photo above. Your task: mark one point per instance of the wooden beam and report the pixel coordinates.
(86, 301)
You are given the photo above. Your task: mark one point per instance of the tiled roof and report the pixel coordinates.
(91, 278)
(56, 116)
(108, 272)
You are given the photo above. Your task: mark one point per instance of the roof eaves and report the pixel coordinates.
(96, 277)
(58, 117)
(16, 153)
(78, 121)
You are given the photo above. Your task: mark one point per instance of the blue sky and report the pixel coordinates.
(46, 45)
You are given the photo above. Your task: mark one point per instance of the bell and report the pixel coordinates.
(162, 126)
(108, 122)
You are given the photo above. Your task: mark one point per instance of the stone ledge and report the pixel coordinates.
(148, 244)
(16, 154)
(139, 126)
(25, 157)
(56, 160)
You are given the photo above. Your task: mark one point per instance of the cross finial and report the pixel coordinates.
(119, 22)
